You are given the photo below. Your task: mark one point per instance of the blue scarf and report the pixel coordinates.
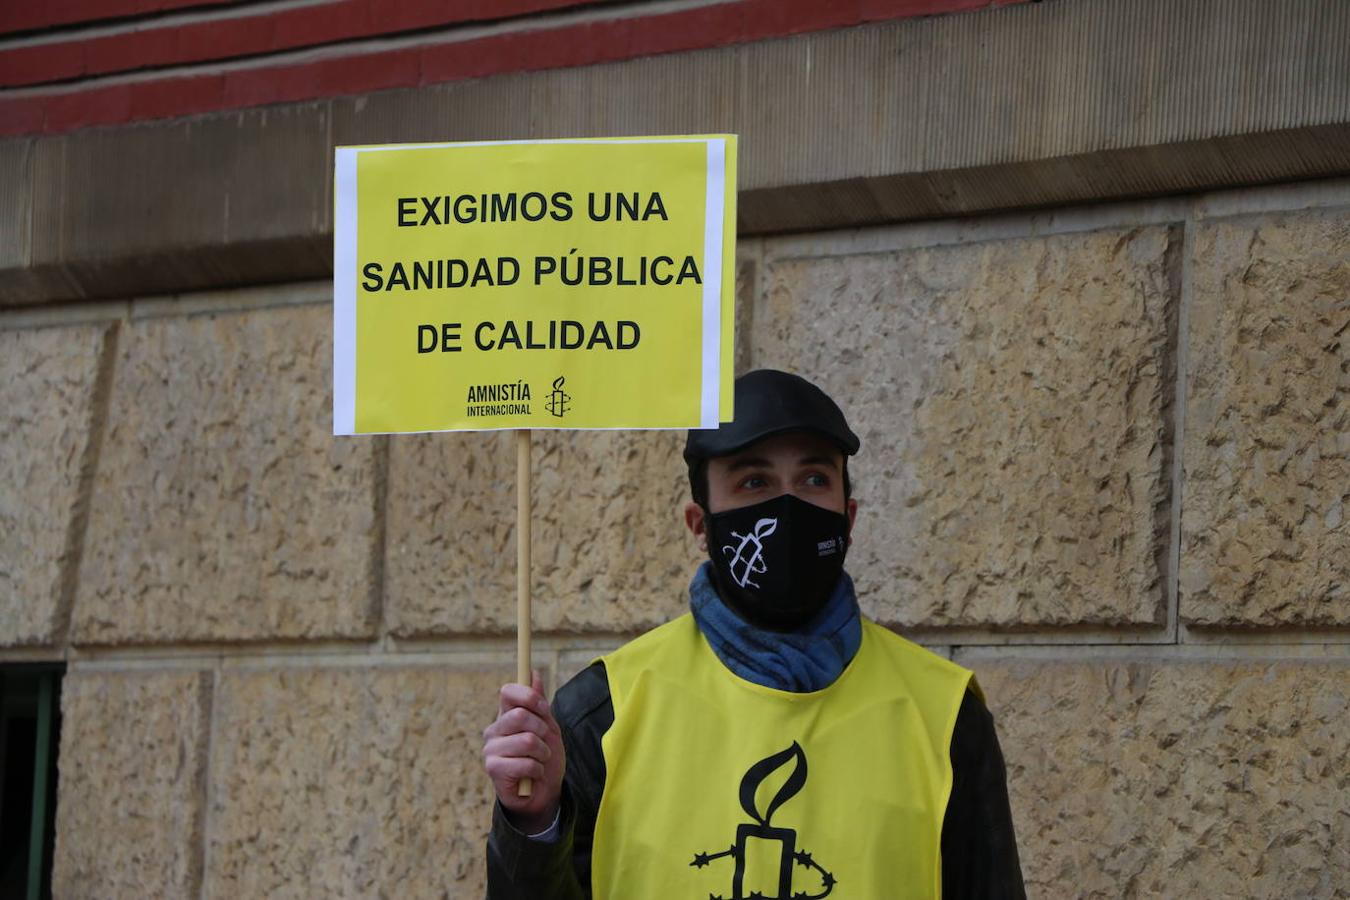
(798, 661)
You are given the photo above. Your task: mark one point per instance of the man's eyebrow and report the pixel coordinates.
(819, 460)
(747, 462)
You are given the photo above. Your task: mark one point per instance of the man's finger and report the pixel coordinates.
(525, 745)
(528, 697)
(510, 769)
(517, 720)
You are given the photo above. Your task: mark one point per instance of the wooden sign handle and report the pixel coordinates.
(523, 669)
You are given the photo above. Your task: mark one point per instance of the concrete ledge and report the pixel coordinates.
(1065, 101)
(1239, 160)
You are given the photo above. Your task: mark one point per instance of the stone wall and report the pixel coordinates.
(1106, 464)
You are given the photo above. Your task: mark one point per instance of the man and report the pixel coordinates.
(771, 743)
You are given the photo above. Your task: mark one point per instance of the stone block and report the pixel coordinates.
(1266, 516)
(48, 378)
(223, 508)
(1013, 400)
(747, 281)
(610, 551)
(132, 784)
(1176, 779)
(351, 783)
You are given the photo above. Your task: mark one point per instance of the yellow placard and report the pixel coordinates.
(534, 284)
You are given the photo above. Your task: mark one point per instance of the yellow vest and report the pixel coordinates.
(719, 787)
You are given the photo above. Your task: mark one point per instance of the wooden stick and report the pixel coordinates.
(523, 670)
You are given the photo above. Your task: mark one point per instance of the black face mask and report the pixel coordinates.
(777, 562)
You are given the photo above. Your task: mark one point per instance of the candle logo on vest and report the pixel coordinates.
(752, 543)
(762, 837)
(559, 401)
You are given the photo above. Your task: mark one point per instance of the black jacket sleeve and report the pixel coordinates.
(979, 850)
(519, 868)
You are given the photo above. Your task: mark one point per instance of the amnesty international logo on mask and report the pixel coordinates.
(747, 557)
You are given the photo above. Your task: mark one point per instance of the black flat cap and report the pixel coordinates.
(770, 402)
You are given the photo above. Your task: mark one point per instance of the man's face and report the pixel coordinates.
(801, 463)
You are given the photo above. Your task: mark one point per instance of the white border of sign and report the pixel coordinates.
(344, 261)
(344, 292)
(712, 284)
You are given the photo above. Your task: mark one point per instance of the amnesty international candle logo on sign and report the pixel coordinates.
(534, 284)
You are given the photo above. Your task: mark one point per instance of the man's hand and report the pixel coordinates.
(525, 742)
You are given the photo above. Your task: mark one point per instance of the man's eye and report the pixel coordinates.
(753, 481)
(816, 479)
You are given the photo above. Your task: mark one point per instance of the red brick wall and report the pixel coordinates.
(69, 64)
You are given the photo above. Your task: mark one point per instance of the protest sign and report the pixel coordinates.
(538, 284)
(583, 283)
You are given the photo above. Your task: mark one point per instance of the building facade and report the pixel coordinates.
(1078, 271)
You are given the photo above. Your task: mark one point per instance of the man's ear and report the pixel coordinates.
(851, 507)
(693, 520)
